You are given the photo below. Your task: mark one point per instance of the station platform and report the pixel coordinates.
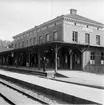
(82, 78)
(69, 76)
(28, 70)
(82, 75)
(88, 93)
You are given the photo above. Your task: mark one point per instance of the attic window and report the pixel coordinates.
(87, 26)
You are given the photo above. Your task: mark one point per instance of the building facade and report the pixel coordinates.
(70, 42)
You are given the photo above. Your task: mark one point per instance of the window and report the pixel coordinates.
(55, 35)
(34, 41)
(18, 44)
(15, 45)
(98, 39)
(92, 58)
(47, 37)
(23, 44)
(87, 38)
(75, 36)
(102, 58)
(40, 39)
(30, 41)
(27, 42)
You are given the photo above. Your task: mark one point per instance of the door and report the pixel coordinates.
(76, 59)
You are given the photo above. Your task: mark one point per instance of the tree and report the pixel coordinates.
(5, 44)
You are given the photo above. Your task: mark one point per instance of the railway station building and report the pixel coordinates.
(69, 42)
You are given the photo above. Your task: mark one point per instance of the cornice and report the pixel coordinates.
(82, 22)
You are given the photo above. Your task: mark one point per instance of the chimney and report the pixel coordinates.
(73, 11)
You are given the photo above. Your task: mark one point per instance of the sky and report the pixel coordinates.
(17, 16)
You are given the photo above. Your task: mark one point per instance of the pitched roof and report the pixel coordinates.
(84, 20)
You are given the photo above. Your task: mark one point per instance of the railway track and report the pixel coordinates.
(11, 78)
(5, 101)
(36, 96)
(14, 96)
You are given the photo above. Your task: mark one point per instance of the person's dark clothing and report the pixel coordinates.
(44, 63)
(16, 63)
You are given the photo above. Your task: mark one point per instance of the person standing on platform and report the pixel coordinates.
(16, 62)
(44, 63)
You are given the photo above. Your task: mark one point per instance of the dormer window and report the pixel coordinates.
(87, 26)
